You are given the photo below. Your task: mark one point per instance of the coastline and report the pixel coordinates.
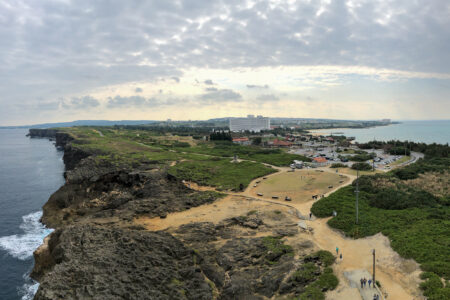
(322, 131)
(97, 237)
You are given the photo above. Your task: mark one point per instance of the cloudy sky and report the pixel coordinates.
(63, 60)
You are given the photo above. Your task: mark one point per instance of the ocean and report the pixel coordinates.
(30, 171)
(417, 131)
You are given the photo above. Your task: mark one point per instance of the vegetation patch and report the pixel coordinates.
(411, 206)
(338, 165)
(220, 173)
(316, 275)
(276, 248)
(361, 166)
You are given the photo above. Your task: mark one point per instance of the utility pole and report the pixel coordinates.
(357, 193)
(373, 252)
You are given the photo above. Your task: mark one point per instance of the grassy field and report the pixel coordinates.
(401, 160)
(412, 207)
(220, 173)
(276, 157)
(299, 185)
(350, 171)
(207, 163)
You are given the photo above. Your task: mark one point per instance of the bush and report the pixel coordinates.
(327, 281)
(361, 166)
(306, 273)
(432, 283)
(312, 293)
(399, 151)
(338, 165)
(326, 257)
(389, 198)
(362, 157)
(181, 144)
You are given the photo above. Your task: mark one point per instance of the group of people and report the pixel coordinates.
(364, 281)
(337, 253)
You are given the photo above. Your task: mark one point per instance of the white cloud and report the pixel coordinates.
(62, 49)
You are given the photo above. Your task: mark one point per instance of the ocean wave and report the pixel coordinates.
(22, 246)
(29, 289)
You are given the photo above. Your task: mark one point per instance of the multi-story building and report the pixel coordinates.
(250, 123)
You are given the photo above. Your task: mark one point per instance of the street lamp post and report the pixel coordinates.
(373, 252)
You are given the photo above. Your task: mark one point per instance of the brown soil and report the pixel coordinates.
(399, 277)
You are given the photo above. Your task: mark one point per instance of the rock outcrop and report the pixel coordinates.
(98, 252)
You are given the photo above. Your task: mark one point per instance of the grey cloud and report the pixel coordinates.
(221, 95)
(211, 89)
(138, 90)
(53, 48)
(143, 102)
(267, 97)
(254, 86)
(85, 102)
(127, 102)
(208, 82)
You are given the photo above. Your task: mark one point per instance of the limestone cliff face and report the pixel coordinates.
(98, 252)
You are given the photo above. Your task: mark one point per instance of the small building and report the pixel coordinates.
(279, 143)
(320, 161)
(298, 164)
(242, 141)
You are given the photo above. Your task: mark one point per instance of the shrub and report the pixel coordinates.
(326, 257)
(327, 281)
(389, 198)
(361, 166)
(432, 283)
(181, 144)
(312, 293)
(307, 273)
(338, 165)
(361, 157)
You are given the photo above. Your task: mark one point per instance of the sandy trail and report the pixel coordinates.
(399, 277)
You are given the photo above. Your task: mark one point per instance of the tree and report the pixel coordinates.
(257, 141)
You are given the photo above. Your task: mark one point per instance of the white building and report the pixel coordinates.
(250, 123)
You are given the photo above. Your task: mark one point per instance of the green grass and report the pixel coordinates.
(276, 157)
(419, 233)
(317, 279)
(220, 173)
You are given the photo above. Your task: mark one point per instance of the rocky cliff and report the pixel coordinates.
(98, 252)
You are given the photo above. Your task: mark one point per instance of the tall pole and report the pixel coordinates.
(373, 252)
(357, 193)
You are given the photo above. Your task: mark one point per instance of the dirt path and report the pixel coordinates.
(399, 277)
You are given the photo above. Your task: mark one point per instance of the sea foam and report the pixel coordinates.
(29, 289)
(22, 246)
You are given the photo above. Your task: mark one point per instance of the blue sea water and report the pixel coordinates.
(417, 131)
(30, 171)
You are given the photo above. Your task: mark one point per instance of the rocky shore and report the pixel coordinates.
(97, 251)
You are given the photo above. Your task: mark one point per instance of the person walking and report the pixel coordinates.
(370, 281)
(341, 256)
(310, 215)
(337, 250)
(362, 282)
(375, 296)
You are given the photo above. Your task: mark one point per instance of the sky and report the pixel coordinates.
(64, 60)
